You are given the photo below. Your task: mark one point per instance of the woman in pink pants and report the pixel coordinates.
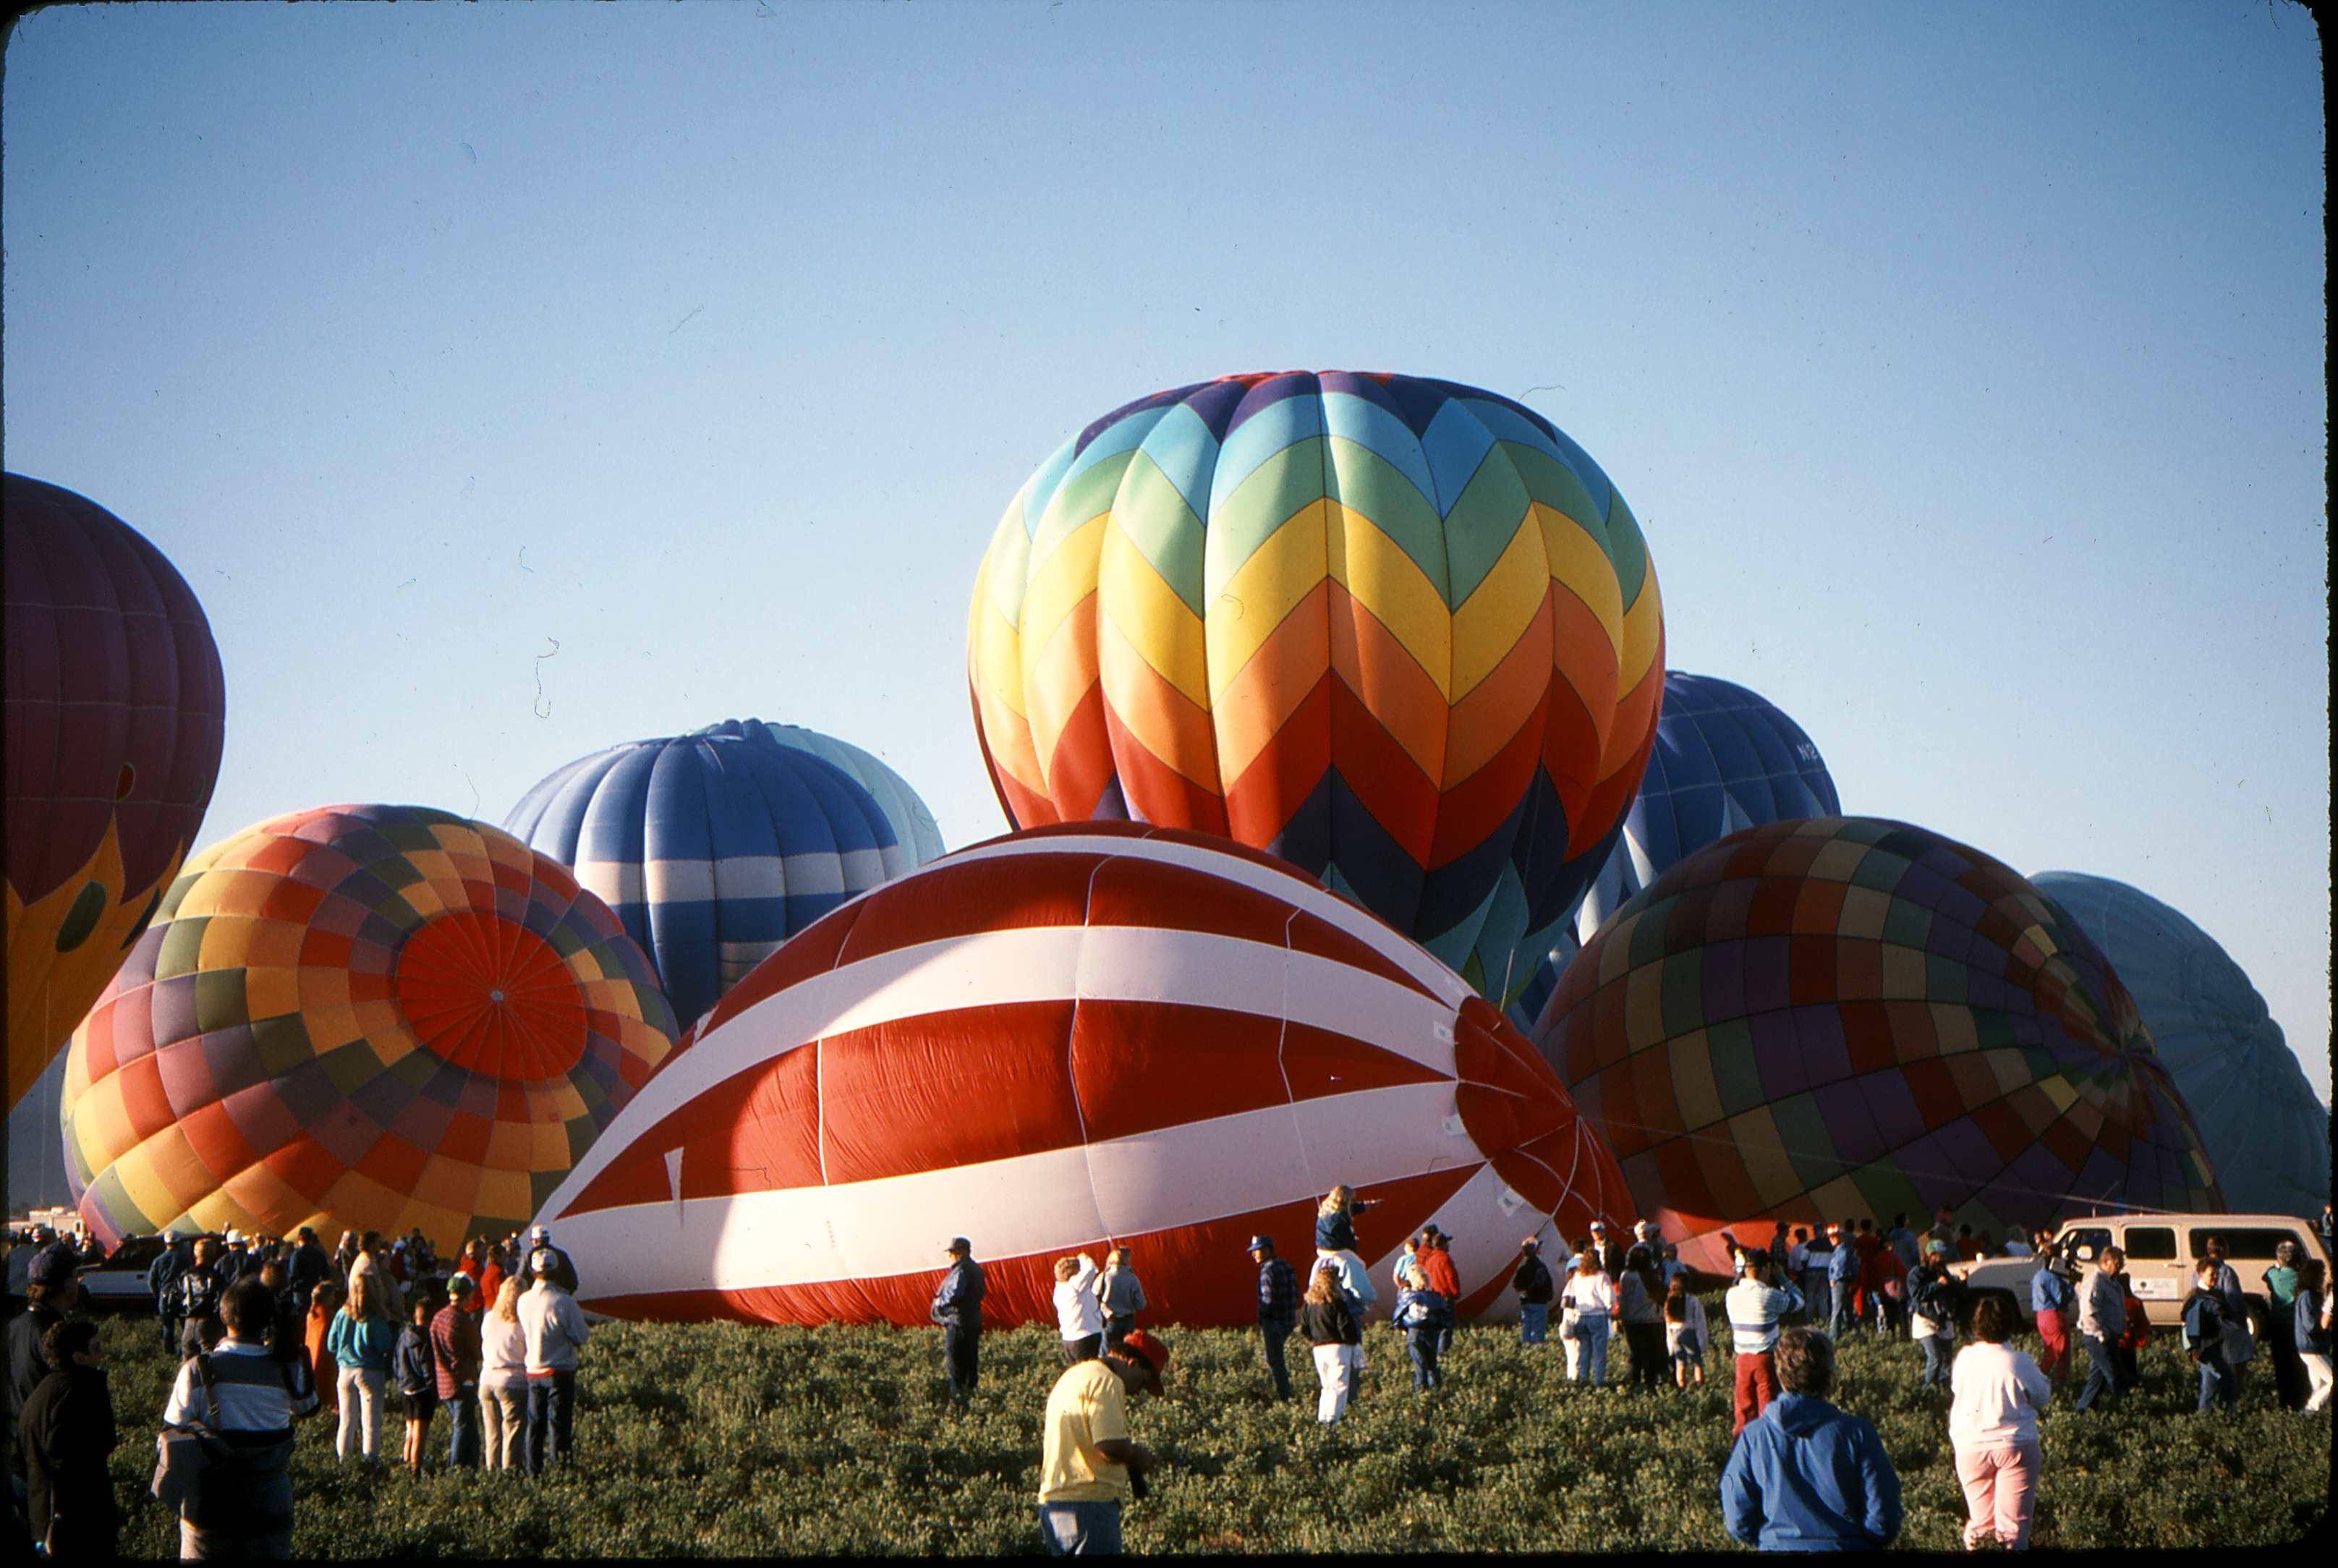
(1996, 1393)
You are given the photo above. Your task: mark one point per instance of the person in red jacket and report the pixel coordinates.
(455, 1348)
(1437, 1264)
(1891, 1291)
(1869, 1244)
(2133, 1336)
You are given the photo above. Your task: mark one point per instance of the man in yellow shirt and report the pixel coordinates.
(1090, 1460)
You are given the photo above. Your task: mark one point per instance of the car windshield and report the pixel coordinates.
(135, 1253)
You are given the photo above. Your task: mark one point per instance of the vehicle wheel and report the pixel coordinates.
(2260, 1317)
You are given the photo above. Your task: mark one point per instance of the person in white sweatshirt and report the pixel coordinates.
(1079, 1315)
(1996, 1393)
(554, 1327)
(1590, 1297)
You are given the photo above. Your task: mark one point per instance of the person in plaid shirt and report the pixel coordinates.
(1278, 1307)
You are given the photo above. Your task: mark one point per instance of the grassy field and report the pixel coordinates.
(720, 1440)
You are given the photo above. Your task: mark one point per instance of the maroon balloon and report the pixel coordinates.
(116, 709)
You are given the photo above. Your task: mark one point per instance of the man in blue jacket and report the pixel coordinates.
(958, 1308)
(1805, 1477)
(1842, 1279)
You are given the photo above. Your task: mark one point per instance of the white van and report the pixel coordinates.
(2161, 1249)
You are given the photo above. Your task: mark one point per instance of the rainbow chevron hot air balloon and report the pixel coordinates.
(1401, 632)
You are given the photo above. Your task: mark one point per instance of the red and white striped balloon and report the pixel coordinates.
(1078, 1036)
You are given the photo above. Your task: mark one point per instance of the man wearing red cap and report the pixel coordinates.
(1090, 1464)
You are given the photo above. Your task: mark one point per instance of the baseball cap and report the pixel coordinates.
(1531, 1244)
(540, 1260)
(52, 1268)
(233, 1235)
(958, 1244)
(1258, 1241)
(461, 1284)
(1145, 1348)
(538, 1233)
(1599, 1225)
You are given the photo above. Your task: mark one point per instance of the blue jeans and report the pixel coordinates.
(1423, 1344)
(1091, 1529)
(1272, 1336)
(1534, 1322)
(2217, 1384)
(2102, 1375)
(1839, 1316)
(550, 1421)
(1591, 1336)
(463, 1432)
(1936, 1359)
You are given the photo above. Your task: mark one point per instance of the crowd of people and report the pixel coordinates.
(271, 1331)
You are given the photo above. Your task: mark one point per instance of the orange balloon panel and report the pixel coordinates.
(365, 1017)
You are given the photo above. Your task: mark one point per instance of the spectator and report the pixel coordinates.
(21, 1249)
(417, 1377)
(1122, 1294)
(1278, 1308)
(2015, 1247)
(1944, 1229)
(1904, 1244)
(345, 1256)
(1335, 1239)
(368, 1265)
(66, 1434)
(1590, 1297)
(1969, 1246)
(308, 1264)
(1079, 1314)
(1088, 1462)
(1640, 1308)
(1808, 1265)
(2328, 1226)
(1408, 1255)
(503, 1380)
(199, 1293)
(243, 1505)
(1333, 1325)
(1842, 1278)
(235, 1260)
(1684, 1338)
(163, 1279)
(1892, 1291)
(1754, 1306)
(1425, 1315)
(364, 1341)
(2050, 1300)
(1609, 1247)
(1996, 1394)
(1567, 1336)
(2102, 1313)
(2240, 1346)
(1533, 1283)
(564, 1267)
(52, 1289)
(1670, 1267)
(2281, 1310)
(958, 1308)
(1780, 1242)
(1933, 1303)
(324, 1301)
(1437, 1266)
(2134, 1333)
(2310, 1321)
(555, 1331)
(1805, 1477)
(2205, 1340)
(455, 1357)
(493, 1273)
(1868, 1245)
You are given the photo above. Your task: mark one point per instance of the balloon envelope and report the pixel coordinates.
(1401, 632)
(1725, 759)
(116, 711)
(2268, 1134)
(358, 1017)
(714, 848)
(1088, 1036)
(1850, 1016)
(914, 827)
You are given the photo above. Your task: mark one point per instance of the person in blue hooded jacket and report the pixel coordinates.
(1805, 1477)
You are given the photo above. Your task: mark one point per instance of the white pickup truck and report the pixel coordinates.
(2160, 1251)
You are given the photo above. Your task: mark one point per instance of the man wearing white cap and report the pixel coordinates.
(563, 1269)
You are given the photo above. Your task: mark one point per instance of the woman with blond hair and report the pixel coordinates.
(362, 1340)
(1335, 1242)
(502, 1379)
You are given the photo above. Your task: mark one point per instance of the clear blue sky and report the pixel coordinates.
(1965, 365)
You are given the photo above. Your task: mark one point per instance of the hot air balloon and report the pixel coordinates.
(1401, 632)
(1075, 1036)
(914, 827)
(714, 848)
(1843, 1016)
(1725, 759)
(2268, 1134)
(358, 1017)
(116, 712)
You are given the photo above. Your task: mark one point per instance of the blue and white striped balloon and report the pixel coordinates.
(712, 849)
(1725, 759)
(913, 824)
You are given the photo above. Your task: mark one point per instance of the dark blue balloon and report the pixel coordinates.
(1725, 759)
(712, 849)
